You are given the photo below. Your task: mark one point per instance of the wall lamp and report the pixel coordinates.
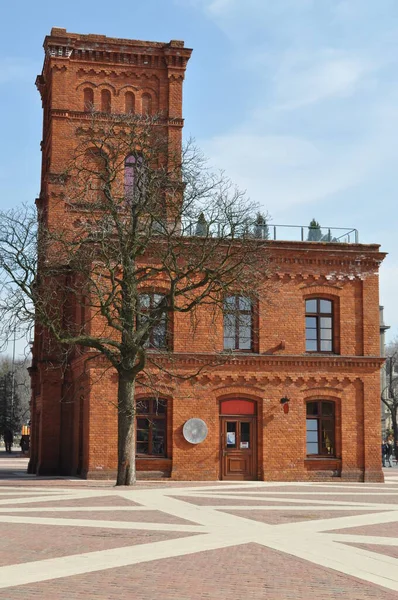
(285, 403)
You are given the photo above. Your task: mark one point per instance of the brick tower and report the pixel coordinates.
(111, 75)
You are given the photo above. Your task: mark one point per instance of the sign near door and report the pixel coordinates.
(230, 438)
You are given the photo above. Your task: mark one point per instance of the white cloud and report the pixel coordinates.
(219, 7)
(321, 114)
(299, 82)
(281, 170)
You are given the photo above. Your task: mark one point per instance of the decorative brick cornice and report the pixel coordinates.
(328, 377)
(336, 256)
(59, 51)
(216, 362)
(101, 49)
(76, 115)
(338, 262)
(108, 72)
(176, 76)
(256, 383)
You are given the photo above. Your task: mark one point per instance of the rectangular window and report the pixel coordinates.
(238, 323)
(320, 430)
(231, 434)
(148, 312)
(245, 435)
(318, 325)
(151, 420)
(312, 436)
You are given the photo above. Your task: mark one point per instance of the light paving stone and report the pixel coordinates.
(293, 526)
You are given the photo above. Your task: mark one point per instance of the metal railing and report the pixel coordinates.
(267, 231)
(304, 233)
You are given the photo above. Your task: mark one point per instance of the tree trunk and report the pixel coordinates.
(126, 431)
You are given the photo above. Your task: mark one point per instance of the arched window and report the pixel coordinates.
(134, 177)
(129, 101)
(105, 101)
(318, 325)
(129, 171)
(151, 420)
(88, 96)
(149, 312)
(321, 428)
(238, 323)
(146, 104)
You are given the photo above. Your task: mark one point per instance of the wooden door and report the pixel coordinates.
(238, 448)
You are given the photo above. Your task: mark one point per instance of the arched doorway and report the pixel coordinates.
(238, 424)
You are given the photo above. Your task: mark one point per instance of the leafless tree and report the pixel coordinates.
(14, 394)
(140, 230)
(389, 394)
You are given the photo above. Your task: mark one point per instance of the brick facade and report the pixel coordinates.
(74, 424)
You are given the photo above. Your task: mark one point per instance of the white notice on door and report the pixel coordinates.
(231, 438)
(244, 445)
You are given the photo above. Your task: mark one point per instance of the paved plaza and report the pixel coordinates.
(69, 539)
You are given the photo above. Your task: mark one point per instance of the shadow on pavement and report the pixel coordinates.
(13, 465)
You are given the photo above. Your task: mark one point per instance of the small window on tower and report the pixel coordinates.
(105, 101)
(88, 99)
(146, 104)
(129, 102)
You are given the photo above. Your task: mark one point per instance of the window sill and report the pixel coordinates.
(152, 457)
(322, 352)
(163, 350)
(321, 458)
(226, 351)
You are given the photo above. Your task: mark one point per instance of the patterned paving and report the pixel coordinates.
(72, 540)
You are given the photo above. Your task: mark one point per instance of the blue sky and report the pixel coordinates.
(296, 99)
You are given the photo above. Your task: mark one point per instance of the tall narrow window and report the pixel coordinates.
(318, 325)
(134, 177)
(129, 100)
(146, 104)
(321, 428)
(105, 101)
(129, 171)
(151, 420)
(238, 323)
(148, 311)
(88, 96)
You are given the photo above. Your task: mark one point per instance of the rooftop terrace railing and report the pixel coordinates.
(289, 233)
(304, 233)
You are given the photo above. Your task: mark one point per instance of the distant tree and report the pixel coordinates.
(14, 395)
(314, 231)
(389, 394)
(201, 225)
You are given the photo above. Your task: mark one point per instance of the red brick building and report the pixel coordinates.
(297, 399)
